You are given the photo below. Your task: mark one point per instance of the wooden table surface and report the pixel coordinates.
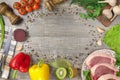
(61, 33)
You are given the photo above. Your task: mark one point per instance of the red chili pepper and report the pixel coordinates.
(20, 62)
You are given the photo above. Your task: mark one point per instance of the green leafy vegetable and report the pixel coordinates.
(118, 73)
(86, 73)
(97, 11)
(61, 63)
(117, 57)
(2, 28)
(84, 16)
(92, 6)
(112, 38)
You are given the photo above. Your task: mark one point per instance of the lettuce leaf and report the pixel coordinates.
(112, 38)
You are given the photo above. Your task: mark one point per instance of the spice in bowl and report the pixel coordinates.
(20, 35)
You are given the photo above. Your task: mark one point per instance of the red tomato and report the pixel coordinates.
(36, 6)
(17, 5)
(30, 1)
(23, 3)
(22, 11)
(37, 1)
(28, 8)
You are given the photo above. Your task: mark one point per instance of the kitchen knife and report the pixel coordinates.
(8, 42)
(6, 49)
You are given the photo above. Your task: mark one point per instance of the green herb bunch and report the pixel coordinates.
(93, 8)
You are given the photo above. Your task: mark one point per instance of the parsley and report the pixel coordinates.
(86, 73)
(84, 16)
(118, 73)
(93, 8)
(117, 56)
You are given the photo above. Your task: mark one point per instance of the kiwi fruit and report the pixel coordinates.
(61, 73)
(72, 72)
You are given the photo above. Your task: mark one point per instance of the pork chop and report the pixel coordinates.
(100, 56)
(102, 69)
(109, 77)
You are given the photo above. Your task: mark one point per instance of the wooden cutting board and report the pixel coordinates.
(106, 22)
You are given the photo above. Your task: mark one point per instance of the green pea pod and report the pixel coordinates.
(2, 28)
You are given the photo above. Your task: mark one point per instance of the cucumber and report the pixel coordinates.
(61, 73)
(72, 72)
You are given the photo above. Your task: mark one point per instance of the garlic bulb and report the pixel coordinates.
(116, 11)
(107, 13)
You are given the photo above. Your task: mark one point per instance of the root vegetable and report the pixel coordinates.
(110, 2)
(107, 13)
(116, 11)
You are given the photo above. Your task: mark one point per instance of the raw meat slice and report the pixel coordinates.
(109, 77)
(102, 69)
(100, 56)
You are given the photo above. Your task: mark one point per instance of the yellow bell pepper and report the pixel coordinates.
(40, 71)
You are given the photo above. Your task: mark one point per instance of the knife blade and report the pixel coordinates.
(8, 42)
(6, 49)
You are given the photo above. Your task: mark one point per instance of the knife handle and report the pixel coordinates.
(2, 63)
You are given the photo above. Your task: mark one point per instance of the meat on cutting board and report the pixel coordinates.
(102, 69)
(109, 77)
(100, 57)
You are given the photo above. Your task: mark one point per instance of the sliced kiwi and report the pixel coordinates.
(72, 72)
(61, 73)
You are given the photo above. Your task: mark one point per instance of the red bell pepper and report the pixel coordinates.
(20, 62)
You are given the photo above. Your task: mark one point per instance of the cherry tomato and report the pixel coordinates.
(23, 3)
(17, 5)
(22, 11)
(28, 8)
(30, 1)
(37, 1)
(36, 6)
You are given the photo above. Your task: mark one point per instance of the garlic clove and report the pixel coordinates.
(19, 46)
(99, 42)
(100, 30)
